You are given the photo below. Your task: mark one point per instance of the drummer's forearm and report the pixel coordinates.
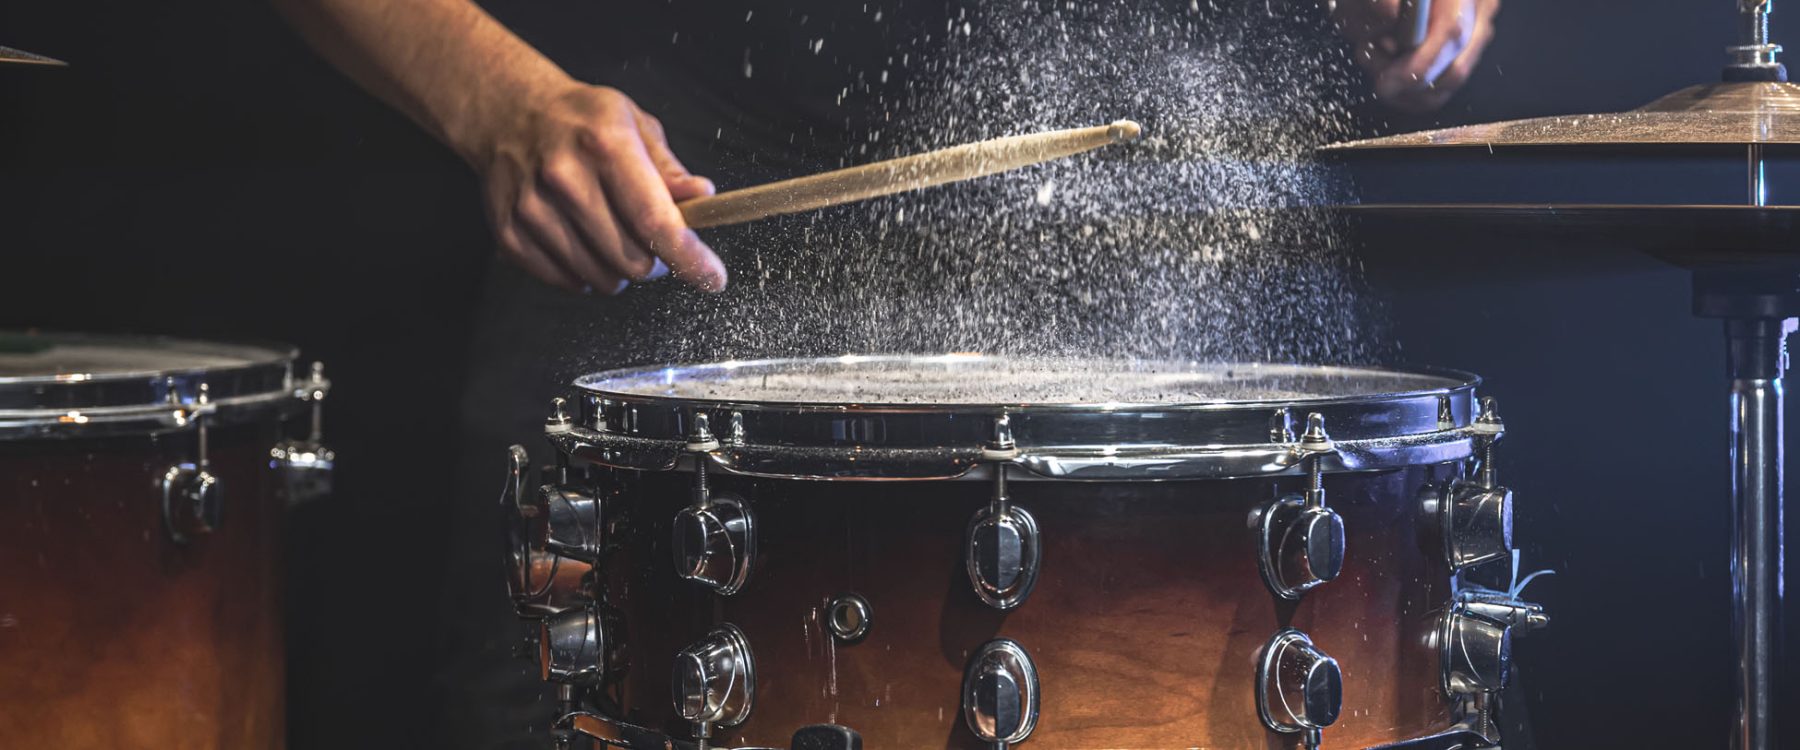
(446, 63)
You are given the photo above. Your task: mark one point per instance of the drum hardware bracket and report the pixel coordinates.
(192, 497)
(714, 538)
(306, 466)
(1475, 639)
(1301, 541)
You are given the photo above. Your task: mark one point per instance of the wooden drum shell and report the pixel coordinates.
(114, 636)
(1146, 623)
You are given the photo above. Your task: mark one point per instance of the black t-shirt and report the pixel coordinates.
(758, 89)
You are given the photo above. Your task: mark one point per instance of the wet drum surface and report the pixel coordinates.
(953, 380)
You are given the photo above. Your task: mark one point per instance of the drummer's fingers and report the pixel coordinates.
(522, 252)
(1447, 33)
(681, 183)
(575, 189)
(546, 227)
(635, 189)
(514, 245)
(1462, 69)
(1459, 71)
(690, 187)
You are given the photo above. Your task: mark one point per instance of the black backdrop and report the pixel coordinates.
(198, 172)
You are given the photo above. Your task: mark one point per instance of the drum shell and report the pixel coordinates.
(1146, 622)
(111, 634)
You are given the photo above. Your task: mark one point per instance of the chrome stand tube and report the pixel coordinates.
(1755, 350)
(1754, 57)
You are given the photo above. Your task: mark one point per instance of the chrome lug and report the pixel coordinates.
(1002, 551)
(193, 502)
(1299, 687)
(540, 581)
(1476, 635)
(1478, 526)
(572, 646)
(715, 681)
(1302, 546)
(1000, 693)
(573, 523)
(1477, 654)
(715, 544)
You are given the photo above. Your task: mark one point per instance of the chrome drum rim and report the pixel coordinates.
(623, 424)
(242, 381)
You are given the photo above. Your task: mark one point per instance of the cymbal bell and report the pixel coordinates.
(9, 55)
(1723, 114)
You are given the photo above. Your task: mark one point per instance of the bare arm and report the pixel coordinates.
(580, 182)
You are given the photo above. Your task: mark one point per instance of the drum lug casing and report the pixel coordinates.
(540, 579)
(1002, 551)
(1000, 694)
(1473, 517)
(1299, 689)
(714, 681)
(193, 498)
(306, 466)
(713, 540)
(714, 545)
(1003, 555)
(193, 502)
(580, 646)
(1300, 540)
(1476, 639)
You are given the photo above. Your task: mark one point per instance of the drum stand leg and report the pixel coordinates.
(1757, 306)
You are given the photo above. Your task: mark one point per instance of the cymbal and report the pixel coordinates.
(1746, 113)
(1686, 234)
(19, 56)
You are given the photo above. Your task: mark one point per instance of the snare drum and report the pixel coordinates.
(968, 552)
(140, 598)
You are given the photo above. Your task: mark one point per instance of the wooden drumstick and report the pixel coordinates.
(925, 170)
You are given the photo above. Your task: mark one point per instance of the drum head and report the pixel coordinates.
(972, 380)
(66, 384)
(934, 417)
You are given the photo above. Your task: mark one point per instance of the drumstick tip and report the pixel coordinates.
(1124, 130)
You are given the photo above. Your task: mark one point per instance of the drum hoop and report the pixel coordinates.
(148, 401)
(1171, 441)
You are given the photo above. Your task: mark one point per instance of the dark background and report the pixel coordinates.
(199, 172)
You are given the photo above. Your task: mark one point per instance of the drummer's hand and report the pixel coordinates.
(1423, 78)
(581, 189)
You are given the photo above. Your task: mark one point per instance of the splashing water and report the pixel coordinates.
(1200, 242)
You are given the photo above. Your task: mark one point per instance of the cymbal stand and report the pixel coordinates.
(1758, 306)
